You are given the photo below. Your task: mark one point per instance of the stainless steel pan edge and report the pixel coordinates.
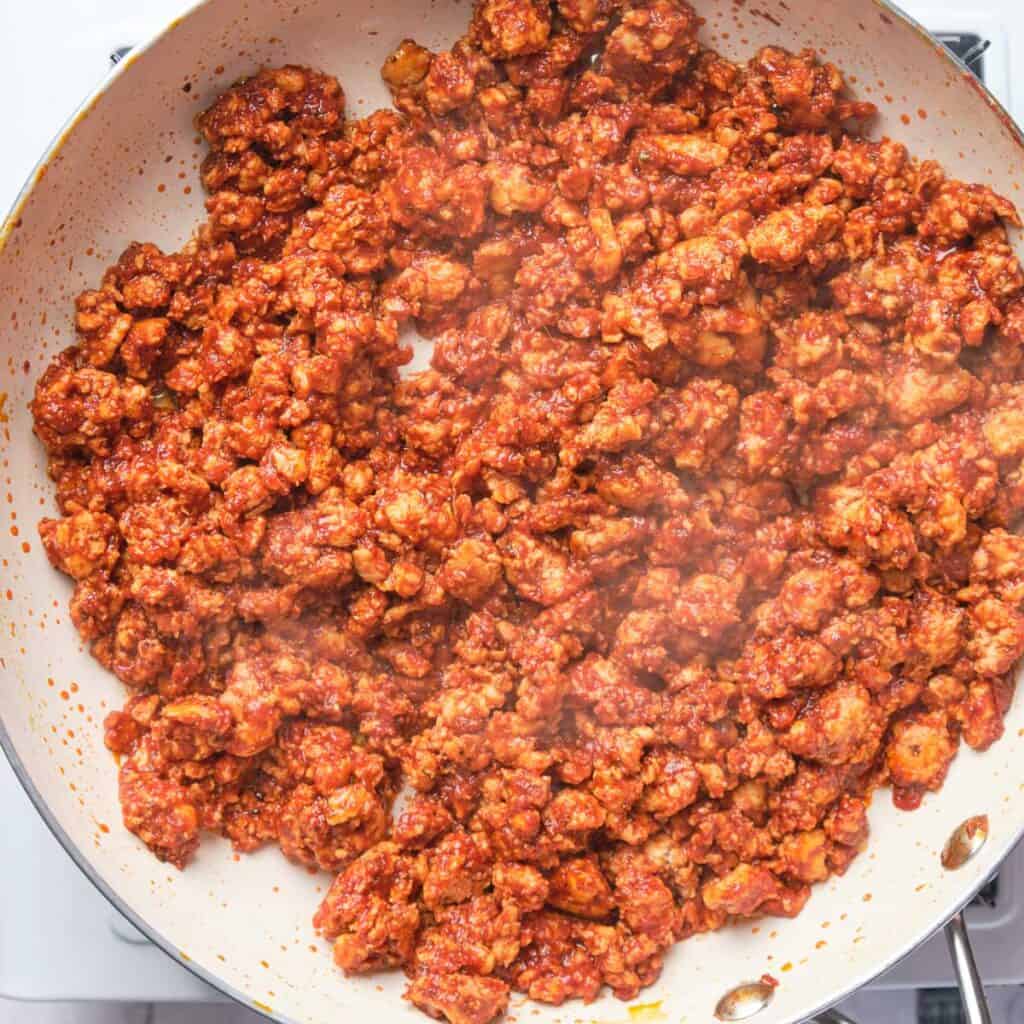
(1003, 840)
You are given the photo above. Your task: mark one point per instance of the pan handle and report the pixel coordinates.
(972, 992)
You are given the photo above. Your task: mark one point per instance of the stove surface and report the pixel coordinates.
(101, 956)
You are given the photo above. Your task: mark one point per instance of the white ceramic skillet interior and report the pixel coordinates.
(126, 170)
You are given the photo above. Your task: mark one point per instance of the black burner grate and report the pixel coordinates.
(989, 895)
(969, 47)
(939, 1006)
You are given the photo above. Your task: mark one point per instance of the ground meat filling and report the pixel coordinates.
(697, 530)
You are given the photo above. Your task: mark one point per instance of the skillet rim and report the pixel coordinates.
(82, 861)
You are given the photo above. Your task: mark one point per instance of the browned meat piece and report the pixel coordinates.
(459, 998)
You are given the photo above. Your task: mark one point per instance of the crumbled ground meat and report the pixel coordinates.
(696, 532)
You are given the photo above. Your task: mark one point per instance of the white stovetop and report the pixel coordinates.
(56, 52)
